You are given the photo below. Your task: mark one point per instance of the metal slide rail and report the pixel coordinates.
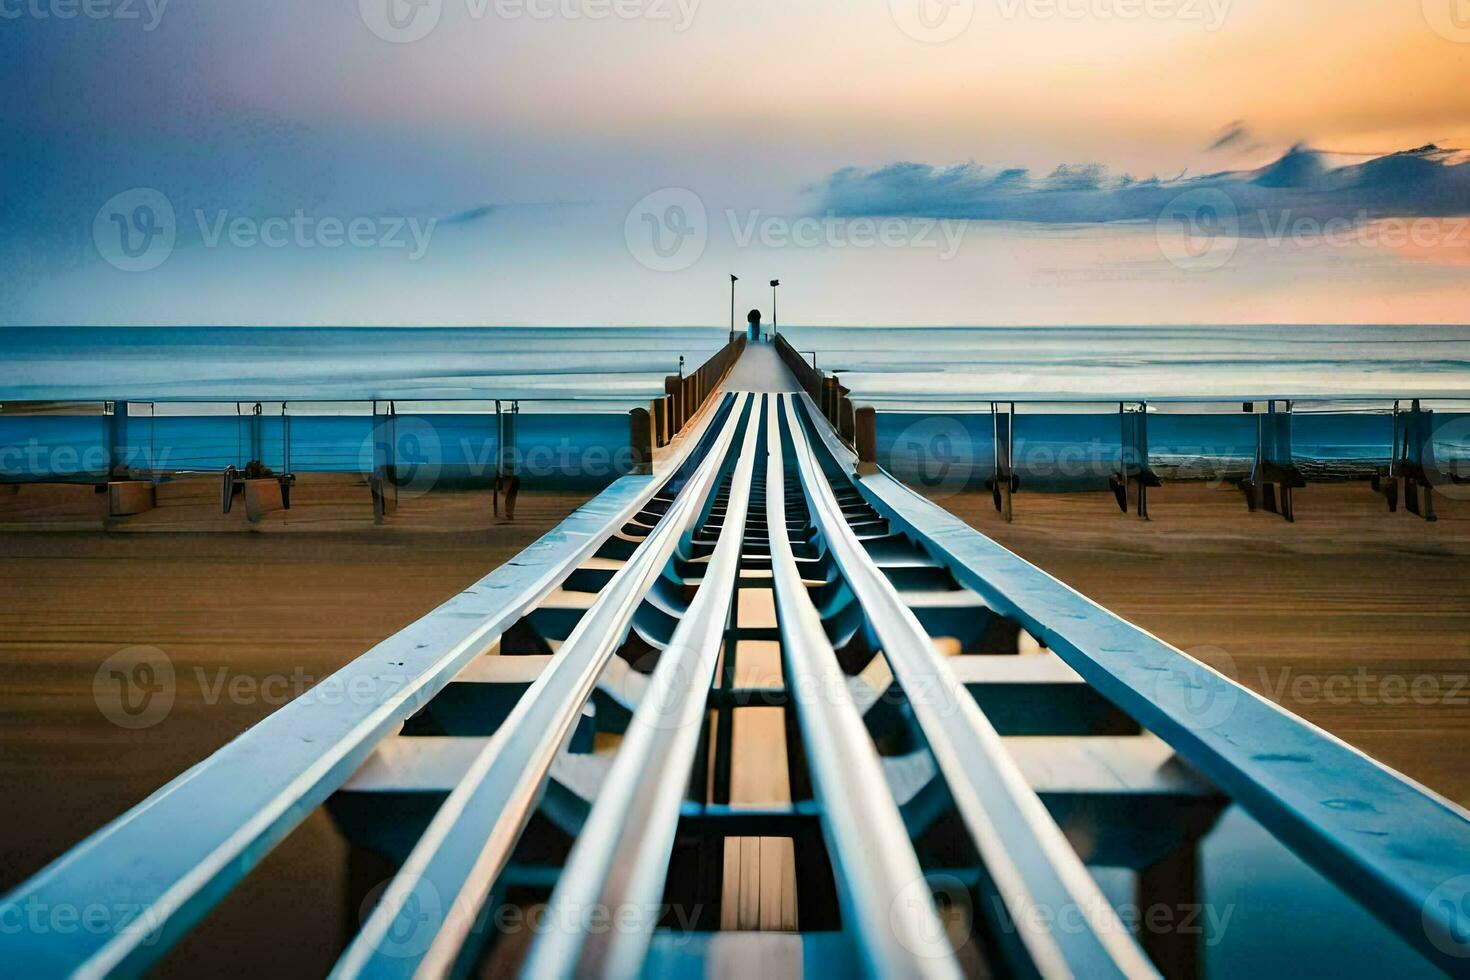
(879, 873)
(1028, 861)
(459, 857)
(1395, 846)
(173, 857)
(620, 861)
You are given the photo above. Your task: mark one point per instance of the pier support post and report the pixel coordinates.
(865, 436)
(846, 422)
(830, 398)
(117, 440)
(658, 419)
(1003, 482)
(640, 438)
(507, 480)
(1134, 476)
(1412, 463)
(384, 480)
(676, 404)
(1273, 466)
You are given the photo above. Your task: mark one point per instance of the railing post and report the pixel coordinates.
(676, 405)
(639, 438)
(512, 482)
(865, 424)
(846, 423)
(660, 421)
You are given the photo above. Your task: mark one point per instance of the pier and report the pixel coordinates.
(757, 702)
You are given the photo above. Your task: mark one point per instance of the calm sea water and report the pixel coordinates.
(616, 367)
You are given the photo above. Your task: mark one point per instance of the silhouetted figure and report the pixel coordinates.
(753, 325)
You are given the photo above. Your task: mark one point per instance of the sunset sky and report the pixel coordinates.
(522, 135)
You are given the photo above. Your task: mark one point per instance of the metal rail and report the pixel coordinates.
(1384, 839)
(441, 890)
(1029, 863)
(618, 866)
(881, 885)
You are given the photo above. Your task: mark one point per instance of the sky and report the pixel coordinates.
(613, 161)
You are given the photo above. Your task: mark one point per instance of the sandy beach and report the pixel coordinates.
(1338, 617)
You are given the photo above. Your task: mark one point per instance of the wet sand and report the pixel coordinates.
(1354, 618)
(280, 605)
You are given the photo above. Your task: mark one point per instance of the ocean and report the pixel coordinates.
(617, 367)
(190, 387)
